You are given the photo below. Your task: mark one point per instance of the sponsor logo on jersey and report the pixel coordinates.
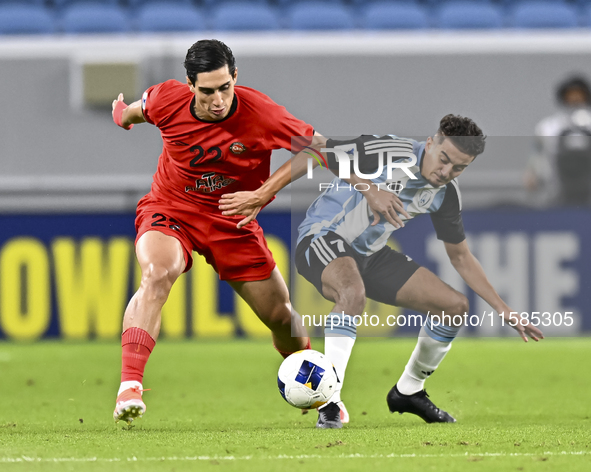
(237, 148)
(209, 182)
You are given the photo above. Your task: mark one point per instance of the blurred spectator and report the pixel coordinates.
(560, 169)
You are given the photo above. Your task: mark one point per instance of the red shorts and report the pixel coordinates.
(239, 255)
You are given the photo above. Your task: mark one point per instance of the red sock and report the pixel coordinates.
(136, 345)
(286, 354)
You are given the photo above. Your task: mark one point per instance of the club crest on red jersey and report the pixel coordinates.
(237, 148)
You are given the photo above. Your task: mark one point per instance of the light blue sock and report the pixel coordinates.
(433, 344)
(340, 324)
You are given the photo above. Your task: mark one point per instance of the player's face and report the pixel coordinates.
(214, 93)
(443, 162)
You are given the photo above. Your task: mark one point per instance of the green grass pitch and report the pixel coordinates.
(215, 406)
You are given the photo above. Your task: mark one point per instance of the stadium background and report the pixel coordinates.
(70, 178)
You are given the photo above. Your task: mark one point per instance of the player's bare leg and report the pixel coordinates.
(426, 293)
(269, 299)
(342, 284)
(161, 260)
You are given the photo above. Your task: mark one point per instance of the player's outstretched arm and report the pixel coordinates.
(248, 204)
(381, 202)
(471, 271)
(127, 115)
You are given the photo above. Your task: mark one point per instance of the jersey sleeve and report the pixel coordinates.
(345, 145)
(286, 131)
(447, 221)
(155, 101)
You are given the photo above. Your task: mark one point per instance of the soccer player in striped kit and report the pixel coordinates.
(342, 251)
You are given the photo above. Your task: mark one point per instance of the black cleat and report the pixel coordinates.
(417, 404)
(329, 417)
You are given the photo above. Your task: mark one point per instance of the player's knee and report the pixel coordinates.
(352, 300)
(458, 308)
(157, 281)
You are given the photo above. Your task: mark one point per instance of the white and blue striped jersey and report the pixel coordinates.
(345, 211)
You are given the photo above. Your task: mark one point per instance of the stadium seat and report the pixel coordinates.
(94, 18)
(167, 17)
(543, 14)
(134, 4)
(468, 15)
(319, 16)
(288, 3)
(217, 3)
(586, 17)
(239, 16)
(59, 4)
(25, 19)
(504, 5)
(512, 3)
(395, 15)
(439, 3)
(39, 3)
(387, 2)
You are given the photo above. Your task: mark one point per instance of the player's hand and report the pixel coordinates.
(522, 326)
(247, 204)
(118, 107)
(118, 99)
(386, 204)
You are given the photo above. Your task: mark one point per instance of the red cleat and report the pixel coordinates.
(129, 405)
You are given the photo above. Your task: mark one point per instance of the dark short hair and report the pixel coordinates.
(573, 82)
(463, 133)
(208, 55)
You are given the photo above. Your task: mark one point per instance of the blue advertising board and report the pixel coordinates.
(71, 276)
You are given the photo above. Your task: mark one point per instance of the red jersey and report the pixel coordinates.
(202, 160)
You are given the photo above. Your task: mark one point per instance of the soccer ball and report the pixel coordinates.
(307, 379)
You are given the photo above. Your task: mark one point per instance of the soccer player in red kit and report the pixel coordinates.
(217, 139)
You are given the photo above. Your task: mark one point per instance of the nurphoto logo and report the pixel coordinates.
(345, 156)
(387, 155)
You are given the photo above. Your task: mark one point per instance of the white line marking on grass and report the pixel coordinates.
(26, 459)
